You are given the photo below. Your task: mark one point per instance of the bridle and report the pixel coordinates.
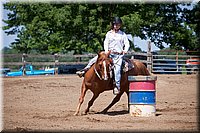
(105, 72)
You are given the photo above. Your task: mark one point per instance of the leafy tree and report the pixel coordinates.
(57, 27)
(192, 18)
(167, 25)
(53, 28)
(7, 50)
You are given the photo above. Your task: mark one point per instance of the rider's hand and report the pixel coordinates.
(124, 52)
(107, 52)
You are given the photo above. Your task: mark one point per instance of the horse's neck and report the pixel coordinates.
(91, 73)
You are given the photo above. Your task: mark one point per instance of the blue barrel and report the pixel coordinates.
(142, 97)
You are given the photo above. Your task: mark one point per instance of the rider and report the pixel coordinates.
(117, 43)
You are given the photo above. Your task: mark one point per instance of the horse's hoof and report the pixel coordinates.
(103, 112)
(75, 114)
(84, 113)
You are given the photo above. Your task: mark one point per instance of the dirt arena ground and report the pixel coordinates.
(47, 103)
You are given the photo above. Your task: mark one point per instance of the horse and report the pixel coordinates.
(99, 79)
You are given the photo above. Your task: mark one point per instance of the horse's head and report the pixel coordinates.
(103, 66)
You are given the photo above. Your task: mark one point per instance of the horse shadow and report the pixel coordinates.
(114, 113)
(121, 112)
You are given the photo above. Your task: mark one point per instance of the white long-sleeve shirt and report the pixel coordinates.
(116, 42)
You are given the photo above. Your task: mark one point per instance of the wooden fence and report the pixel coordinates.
(10, 60)
(155, 63)
(20, 59)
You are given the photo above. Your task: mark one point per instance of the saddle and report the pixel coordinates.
(127, 64)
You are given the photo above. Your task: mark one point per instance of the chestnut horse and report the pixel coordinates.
(98, 79)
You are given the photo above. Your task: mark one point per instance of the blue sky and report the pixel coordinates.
(5, 38)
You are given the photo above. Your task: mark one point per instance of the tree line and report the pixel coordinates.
(49, 28)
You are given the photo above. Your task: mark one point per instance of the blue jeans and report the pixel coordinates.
(117, 61)
(91, 62)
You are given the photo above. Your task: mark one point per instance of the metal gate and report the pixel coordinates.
(175, 64)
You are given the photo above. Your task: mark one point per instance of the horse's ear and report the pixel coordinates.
(98, 53)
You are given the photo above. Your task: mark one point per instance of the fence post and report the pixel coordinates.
(79, 59)
(177, 60)
(56, 56)
(149, 57)
(24, 64)
(132, 57)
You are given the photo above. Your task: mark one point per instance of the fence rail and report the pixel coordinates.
(155, 63)
(175, 64)
(42, 63)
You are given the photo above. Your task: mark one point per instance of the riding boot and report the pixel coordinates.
(116, 90)
(82, 72)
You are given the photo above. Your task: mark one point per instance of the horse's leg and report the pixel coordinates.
(127, 93)
(81, 99)
(90, 103)
(115, 100)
